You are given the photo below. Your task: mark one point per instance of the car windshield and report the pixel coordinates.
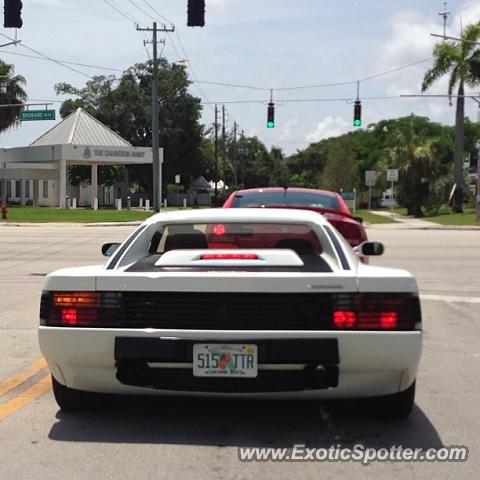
(261, 198)
(245, 235)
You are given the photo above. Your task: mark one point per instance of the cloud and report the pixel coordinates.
(329, 127)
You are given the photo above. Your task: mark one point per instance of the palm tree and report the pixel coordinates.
(461, 60)
(11, 92)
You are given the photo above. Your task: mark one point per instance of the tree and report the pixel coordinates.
(11, 92)
(462, 62)
(340, 172)
(420, 150)
(124, 105)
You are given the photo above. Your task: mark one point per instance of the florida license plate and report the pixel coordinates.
(225, 360)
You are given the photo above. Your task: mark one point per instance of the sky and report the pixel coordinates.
(276, 45)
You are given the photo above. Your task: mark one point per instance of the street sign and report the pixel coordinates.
(370, 178)
(392, 175)
(37, 115)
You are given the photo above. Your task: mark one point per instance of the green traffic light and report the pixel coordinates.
(357, 122)
(270, 124)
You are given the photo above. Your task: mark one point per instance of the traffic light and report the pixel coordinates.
(271, 115)
(196, 13)
(12, 10)
(357, 114)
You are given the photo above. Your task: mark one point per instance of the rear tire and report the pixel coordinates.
(396, 406)
(71, 400)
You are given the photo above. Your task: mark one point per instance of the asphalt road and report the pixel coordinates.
(166, 438)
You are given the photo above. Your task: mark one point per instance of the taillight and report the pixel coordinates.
(80, 309)
(219, 229)
(344, 319)
(376, 311)
(350, 231)
(229, 256)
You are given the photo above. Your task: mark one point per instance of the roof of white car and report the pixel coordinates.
(208, 215)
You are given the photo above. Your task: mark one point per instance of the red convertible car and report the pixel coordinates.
(330, 204)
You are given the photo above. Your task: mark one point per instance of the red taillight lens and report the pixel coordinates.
(229, 256)
(365, 320)
(344, 319)
(376, 311)
(69, 316)
(388, 320)
(75, 308)
(219, 229)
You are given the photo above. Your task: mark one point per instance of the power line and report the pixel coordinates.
(321, 85)
(393, 70)
(156, 11)
(63, 61)
(50, 58)
(300, 100)
(121, 11)
(138, 7)
(222, 84)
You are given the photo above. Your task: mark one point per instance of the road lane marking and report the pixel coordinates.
(26, 397)
(13, 381)
(450, 298)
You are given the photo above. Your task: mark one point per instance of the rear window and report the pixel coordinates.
(299, 238)
(252, 236)
(285, 198)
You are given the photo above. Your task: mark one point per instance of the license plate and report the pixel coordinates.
(225, 360)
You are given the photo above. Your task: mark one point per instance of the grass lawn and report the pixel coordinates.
(369, 217)
(79, 215)
(445, 217)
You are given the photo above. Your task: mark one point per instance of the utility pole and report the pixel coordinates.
(216, 154)
(157, 168)
(242, 162)
(224, 152)
(235, 175)
(445, 15)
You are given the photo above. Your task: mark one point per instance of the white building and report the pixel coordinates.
(38, 173)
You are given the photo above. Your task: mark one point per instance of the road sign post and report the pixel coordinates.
(370, 179)
(392, 176)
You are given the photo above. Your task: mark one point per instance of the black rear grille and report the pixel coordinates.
(228, 311)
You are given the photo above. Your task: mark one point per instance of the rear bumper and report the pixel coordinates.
(353, 364)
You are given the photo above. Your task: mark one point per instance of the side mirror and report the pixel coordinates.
(372, 248)
(108, 249)
(358, 219)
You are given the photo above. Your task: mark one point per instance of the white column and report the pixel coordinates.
(35, 193)
(4, 191)
(22, 192)
(62, 181)
(94, 181)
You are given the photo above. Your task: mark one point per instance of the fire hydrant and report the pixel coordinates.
(4, 210)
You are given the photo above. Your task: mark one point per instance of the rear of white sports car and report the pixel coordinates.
(263, 303)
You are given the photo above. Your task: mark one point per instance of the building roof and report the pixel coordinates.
(200, 184)
(80, 128)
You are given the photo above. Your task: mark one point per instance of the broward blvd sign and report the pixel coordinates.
(26, 115)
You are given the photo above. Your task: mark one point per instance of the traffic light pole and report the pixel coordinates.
(157, 168)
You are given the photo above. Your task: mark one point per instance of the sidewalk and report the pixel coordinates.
(415, 223)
